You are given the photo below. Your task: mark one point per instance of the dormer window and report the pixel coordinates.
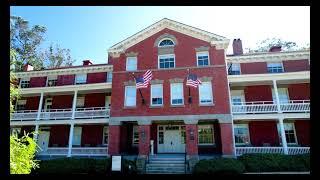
(166, 43)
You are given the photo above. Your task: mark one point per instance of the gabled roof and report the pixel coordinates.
(219, 41)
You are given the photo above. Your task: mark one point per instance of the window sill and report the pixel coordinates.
(182, 105)
(156, 106)
(129, 107)
(206, 104)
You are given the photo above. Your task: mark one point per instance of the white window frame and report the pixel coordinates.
(270, 65)
(125, 96)
(25, 81)
(242, 126)
(20, 102)
(166, 45)
(135, 129)
(171, 95)
(211, 92)
(167, 56)
(79, 128)
(294, 131)
(81, 82)
(134, 67)
(201, 54)
(238, 93)
(80, 102)
(105, 131)
(151, 94)
(53, 78)
(204, 126)
(232, 67)
(280, 91)
(46, 103)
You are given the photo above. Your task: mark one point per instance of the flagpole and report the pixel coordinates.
(190, 99)
(139, 88)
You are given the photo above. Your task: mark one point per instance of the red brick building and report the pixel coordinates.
(247, 103)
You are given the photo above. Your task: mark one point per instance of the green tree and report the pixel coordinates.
(14, 91)
(25, 41)
(266, 44)
(22, 153)
(55, 57)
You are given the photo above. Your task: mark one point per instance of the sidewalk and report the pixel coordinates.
(278, 173)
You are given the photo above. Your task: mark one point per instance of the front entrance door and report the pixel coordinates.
(170, 139)
(43, 140)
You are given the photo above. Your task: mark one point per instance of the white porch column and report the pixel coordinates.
(40, 106)
(35, 137)
(277, 95)
(74, 104)
(283, 136)
(70, 139)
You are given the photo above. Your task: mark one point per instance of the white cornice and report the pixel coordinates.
(216, 40)
(269, 56)
(76, 70)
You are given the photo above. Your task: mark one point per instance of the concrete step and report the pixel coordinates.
(166, 169)
(165, 165)
(167, 162)
(164, 172)
(166, 159)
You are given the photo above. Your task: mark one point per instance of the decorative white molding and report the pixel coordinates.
(163, 36)
(206, 79)
(65, 71)
(218, 41)
(202, 48)
(269, 57)
(156, 81)
(132, 54)
(176, 80)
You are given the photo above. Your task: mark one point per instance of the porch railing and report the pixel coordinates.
(256, 107)
(76, 151)
(60, 114)
(279, 150)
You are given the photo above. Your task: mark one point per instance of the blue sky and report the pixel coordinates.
(89, 31)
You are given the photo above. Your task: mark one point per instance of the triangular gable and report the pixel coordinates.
(219, 41)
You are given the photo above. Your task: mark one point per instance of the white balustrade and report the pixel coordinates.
(93, 112)
(279, 150)
(76, 151)
(270, 107)
(55, 114)
(24, 115)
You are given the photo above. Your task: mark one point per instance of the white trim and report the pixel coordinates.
(276, 62)
(269, 116)
(211, 92)
(125, 96)
(136, 65)
(155, 85)
(213, 137)
(246, 125)
(294, 131)
(202, 52)
(81, 77)
(167, 55)
(167, 45)
(171, 93)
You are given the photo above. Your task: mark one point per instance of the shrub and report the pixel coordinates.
(219, 166)
(274, 162)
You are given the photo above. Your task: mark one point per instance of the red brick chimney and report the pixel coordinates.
(237, 47)
(27, 67)
(275, 49)
(86, 62)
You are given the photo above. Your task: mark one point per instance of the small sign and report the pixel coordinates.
(116, 163)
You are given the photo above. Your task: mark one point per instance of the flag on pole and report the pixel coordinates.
(142, 82)
(193, 80)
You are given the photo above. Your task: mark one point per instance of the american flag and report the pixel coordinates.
(193, 81)
(142, 82)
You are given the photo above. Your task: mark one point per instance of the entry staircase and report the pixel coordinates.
(166, 164)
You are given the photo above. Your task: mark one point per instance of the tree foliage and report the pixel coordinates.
(266, 44)
(22, 153)
(14, 91)
(56, 57)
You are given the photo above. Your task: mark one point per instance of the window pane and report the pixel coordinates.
(205, 134)
(203, 59)
(156, 93)
(131, 64)
(166, 61)
(177, 93)
(130, 96)
(135, 135)
(241, 133)
(81, 78)
(205, 93)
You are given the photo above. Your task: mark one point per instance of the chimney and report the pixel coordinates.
(27, 67)
(86, 62)
(275, 49)
(237, 47)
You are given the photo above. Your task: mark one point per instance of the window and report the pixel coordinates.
(161, 135)
(237, 97)
(283, 95)
(48, 104)
(135, 139)
(25, 82)
(275, 67)
(15, 131)
(205, 134)
(105, 135)
(166, 61)
(289, 131)
(183, 134)
(176, 93)
(156, 95)
(234, 69)
(77, 131)
(131, 64)
(241, 134)
(80, 102)
(130, 96)
(81, 78)
(202, 58)
(205, 93)
(21, 105)
(166, 43)
(109, 76)
(52, 81)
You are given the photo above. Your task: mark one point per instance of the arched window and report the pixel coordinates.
(166, 42)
